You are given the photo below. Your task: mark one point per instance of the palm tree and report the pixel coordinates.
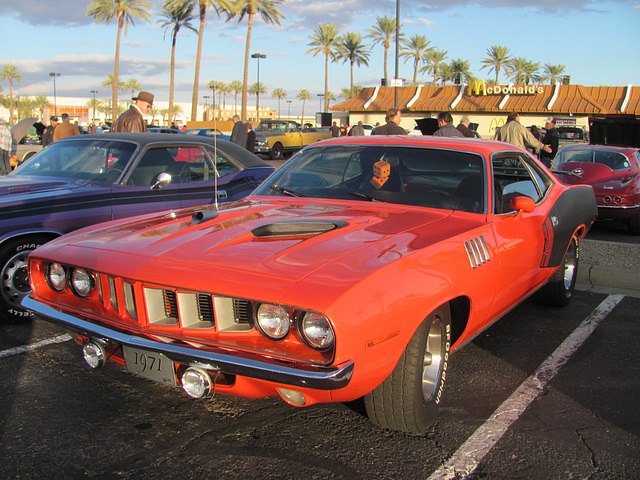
(175, 18)
(215, 86)
(325, 40)
(352, 49)
(25, 106)
(445, 73)
(41, 101)
(10, 73)
(94, 104)
(219, 6)
(257, 89)
(279, 93)
(461, 71)
(303, 95)
(497, 57)
(552, 72)
(270, 14)
(381, 33)
(517, 69)
(236, 87)
(415, 47)
(125, 11)
(433, 59)
(532, 73)
(133, 85)
(108, 83)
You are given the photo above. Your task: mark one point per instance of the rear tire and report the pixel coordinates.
(408, 399)
(558, 291)
(14, 279)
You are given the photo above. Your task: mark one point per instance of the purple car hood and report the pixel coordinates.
(284, 240)
(17, 185)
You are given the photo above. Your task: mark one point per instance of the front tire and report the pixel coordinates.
(14, 277)
(277, 152)
(558, 291)
(408, 399)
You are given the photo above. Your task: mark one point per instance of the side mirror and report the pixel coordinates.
(521, 203)
(163, 180)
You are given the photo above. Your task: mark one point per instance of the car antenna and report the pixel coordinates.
(215, 159)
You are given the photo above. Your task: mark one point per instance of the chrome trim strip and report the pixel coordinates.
(269, 369)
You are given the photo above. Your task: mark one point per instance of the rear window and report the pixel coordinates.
(614, 160)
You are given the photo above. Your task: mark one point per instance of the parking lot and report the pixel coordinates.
(60, 419)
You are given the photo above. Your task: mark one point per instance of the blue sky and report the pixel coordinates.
(596, 40)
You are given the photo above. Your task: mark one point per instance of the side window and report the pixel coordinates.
(175, 161)
(224, 165)
(516, 175)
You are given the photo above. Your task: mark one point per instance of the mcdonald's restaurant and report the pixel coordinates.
(488, 105)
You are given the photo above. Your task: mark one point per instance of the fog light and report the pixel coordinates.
(292, 396)
(196, 382)
(94, 354)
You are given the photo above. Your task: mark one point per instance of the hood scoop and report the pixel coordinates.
(203, 216)
(309, 227)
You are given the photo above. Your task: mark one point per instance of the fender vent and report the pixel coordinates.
(477, 251)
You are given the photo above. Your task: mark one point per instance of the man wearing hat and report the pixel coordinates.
(47, 136)
(131, 120)
(551, 139)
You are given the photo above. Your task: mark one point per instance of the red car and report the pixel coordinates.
(614, 174)
(351, 272)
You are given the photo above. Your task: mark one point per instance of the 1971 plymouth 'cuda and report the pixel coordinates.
(351, 272)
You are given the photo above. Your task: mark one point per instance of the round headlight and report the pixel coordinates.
(57, 277)
(273, 321)
(317, 330)
(81, 281)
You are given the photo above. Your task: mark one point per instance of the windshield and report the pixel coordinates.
(425, 177)
(82, 159)
(614, 160)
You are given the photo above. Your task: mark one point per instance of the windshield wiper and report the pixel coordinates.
(286, 191)
(364, 196)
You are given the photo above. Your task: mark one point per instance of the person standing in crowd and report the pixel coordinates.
(551, 139)
(239, 132)
(47, 136)
(463, 128)
(335, 130)
(132, 120)
(251, 138)
(65, 129)
(6, 141)
(515, 133)
(392, 126)
(357, 131)
(445, 122)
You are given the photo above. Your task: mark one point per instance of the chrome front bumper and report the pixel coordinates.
(236, 363)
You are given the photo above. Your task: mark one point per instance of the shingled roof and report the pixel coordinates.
(547, 99)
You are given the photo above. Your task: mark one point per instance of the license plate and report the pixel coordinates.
(152, 365)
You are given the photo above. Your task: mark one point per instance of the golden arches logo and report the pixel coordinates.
(496, 123)
(477, 86)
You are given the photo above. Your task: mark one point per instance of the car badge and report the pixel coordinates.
(578, 171)
(554, 221)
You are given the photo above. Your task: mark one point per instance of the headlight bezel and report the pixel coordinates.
(275, 333)
(76, 284)
(305, 324)
(57, 285)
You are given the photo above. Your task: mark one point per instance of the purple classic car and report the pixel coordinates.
(87, 179)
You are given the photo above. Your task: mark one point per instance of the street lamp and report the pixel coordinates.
(94, 104)
(289, 109)
(206, 105)
(258, 56)
(55, 101)
(395, 103)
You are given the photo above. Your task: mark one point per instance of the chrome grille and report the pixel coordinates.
(477, 251)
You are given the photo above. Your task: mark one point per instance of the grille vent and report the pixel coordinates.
(477, 251)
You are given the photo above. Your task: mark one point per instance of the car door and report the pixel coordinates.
(523, 239)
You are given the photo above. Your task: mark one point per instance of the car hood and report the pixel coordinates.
(276, 240)
(13, 186)
(21, 128)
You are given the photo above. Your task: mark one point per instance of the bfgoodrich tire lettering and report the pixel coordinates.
(14, 280)
(408, 399)
(559, 289)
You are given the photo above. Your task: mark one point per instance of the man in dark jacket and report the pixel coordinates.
(239, 132)
(47, 136)
(251, 138)
(445, 122)
(131, 120)
(463, 128)
(393, 124)
(551, 139)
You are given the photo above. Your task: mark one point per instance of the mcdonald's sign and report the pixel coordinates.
(479, 86)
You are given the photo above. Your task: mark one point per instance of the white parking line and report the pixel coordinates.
(470, 454)
(27, 348)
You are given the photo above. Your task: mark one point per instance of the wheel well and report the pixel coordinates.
(48, 235)
(460, 311)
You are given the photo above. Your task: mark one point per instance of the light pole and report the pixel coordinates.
(289, 108)
(55, 101)
(206, 105)
(321, 95)
(258, 56)
(94, 104)
(395, 103)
